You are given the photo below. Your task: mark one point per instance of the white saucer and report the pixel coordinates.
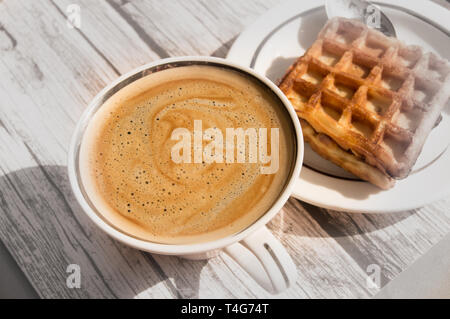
(283, 34)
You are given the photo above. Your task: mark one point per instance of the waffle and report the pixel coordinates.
(368, 102)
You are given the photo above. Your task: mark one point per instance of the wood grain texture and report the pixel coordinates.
(49, 73)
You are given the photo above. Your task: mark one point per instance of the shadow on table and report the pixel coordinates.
(222, 51)
(45, 229)
(338, 224)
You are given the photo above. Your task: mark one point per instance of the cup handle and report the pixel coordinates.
(263, 257)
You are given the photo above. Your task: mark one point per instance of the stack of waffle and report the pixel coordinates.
(367, 102)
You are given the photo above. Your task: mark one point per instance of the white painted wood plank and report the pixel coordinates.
(46, 79)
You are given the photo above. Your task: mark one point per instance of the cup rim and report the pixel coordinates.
(194, 248)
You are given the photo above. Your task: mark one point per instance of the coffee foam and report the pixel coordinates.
(127, 170)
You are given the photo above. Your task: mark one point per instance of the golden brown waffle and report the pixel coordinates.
(373, 96)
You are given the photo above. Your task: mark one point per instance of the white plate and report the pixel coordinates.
(277, 38)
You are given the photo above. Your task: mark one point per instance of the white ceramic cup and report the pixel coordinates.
(255, 249)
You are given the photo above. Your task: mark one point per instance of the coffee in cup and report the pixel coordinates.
(187, 154)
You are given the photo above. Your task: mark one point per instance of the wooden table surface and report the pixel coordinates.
(49, 73)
